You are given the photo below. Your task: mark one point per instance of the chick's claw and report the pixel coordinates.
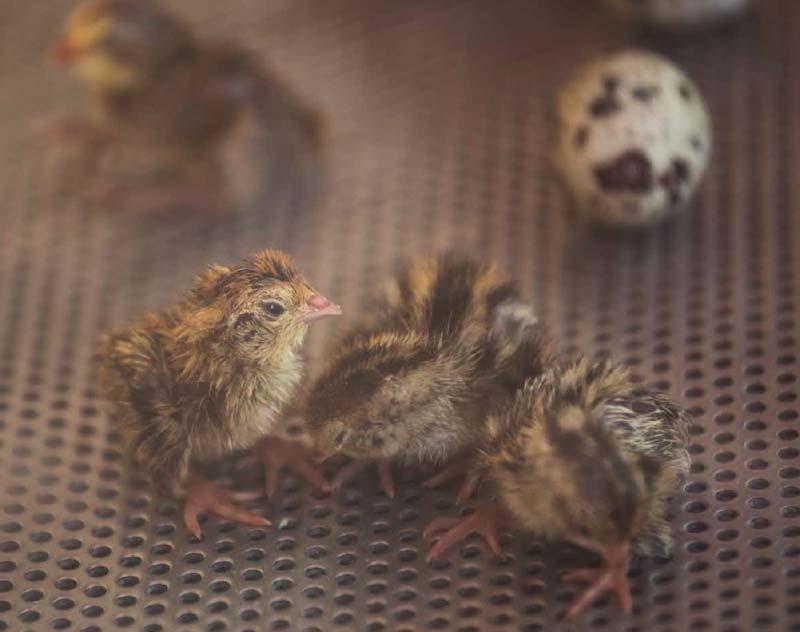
(485, 521)
(385, 475)
(599, 582)
(206, 497)
(611, 577)
(439, 524)
(276, 453)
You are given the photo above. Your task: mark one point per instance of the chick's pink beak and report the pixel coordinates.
(318, 307)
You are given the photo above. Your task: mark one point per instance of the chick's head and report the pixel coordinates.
(565, 472)
(603, 498)
(254, 314)
(116, 45)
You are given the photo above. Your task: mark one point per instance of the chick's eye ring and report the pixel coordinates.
(273, 308)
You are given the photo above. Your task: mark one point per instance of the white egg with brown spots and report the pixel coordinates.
(680, 15)
(633, 138)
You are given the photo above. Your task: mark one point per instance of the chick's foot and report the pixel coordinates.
(611, 577)
(485, 521)
(354, 467)
(203, 496)
(385, 476)
(276, 453)
(453, 471)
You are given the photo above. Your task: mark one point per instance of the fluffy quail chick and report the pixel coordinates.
(211, 375)
(582, 454)
(416, 384)
(153, 84)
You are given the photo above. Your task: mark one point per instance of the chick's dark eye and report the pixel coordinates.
(273, 308)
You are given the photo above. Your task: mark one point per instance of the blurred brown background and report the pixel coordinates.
(439, 132)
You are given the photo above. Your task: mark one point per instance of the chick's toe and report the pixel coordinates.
(276, 453)
(485, 521)
(204, 496)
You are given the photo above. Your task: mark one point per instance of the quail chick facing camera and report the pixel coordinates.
(211, 375)
(415, 385)
(584, 455)
(153, 85)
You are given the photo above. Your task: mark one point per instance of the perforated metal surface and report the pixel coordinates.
(439, 117)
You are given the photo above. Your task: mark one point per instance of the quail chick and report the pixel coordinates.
(153, 84)
(211, 375)
(582, 454)
(416, 384)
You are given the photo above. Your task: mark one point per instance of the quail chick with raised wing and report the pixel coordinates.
(415, 384)
(211, 376)
(582, 454)
(153, 85)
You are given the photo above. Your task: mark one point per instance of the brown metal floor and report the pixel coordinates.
(439, 115)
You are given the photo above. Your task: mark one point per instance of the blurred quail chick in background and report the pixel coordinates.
(162, 102)
(414, 385)
(211, 376)
(582, 454)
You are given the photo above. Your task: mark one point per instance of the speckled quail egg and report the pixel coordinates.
(633, 138)
(677, 15)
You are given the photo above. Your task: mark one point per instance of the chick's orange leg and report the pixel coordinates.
(453, 471)
(385, 476)
(276, 453)
(485, 521)
(203, 496)
(612, 576)
(354, 467)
